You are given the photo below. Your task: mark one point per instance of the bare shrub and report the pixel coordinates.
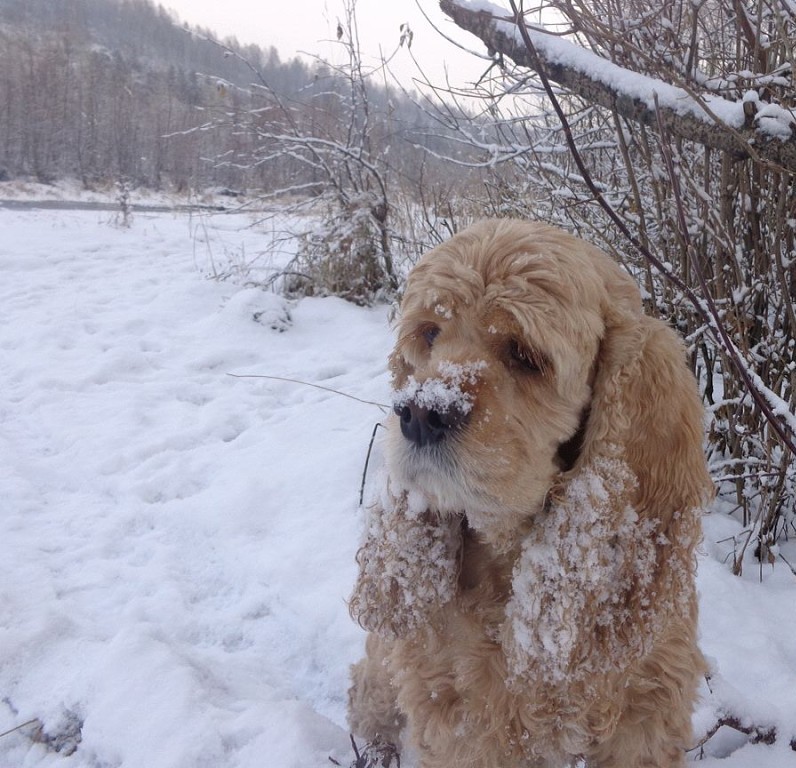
(694, 193)
(343, 256)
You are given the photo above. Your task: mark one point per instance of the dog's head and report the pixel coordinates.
(498, 347)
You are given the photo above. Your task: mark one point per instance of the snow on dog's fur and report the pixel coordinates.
(528, 572)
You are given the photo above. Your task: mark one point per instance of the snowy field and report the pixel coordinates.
(177, 544)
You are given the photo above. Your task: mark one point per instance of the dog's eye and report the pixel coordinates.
(528, 360)
(428, 332)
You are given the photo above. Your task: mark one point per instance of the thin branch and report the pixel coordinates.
(383, 407)
(367, 462)
(35, 721)
(759, 734)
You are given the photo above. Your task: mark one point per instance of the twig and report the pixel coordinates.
(367, 461)
(384, 408)
(35, 721)
(375, 754)
(782, 557)
(701, 123)
(759, 734)
(710, 312)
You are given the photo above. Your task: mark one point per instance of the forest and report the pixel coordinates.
(100, 90)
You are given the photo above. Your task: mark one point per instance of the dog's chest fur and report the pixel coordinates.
(453, 676)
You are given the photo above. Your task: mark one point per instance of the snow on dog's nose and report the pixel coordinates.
(431, 409)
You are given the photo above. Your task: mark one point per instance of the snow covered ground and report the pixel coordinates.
(72, 191)
(177, 544)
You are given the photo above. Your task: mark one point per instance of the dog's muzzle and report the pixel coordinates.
(428, 426)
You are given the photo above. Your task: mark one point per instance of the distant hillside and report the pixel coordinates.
(109, 89)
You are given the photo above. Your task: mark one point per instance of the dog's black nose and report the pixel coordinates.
(424, 426)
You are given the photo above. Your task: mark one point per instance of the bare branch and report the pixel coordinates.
(714, 122)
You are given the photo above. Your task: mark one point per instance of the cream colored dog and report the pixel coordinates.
(528, 575)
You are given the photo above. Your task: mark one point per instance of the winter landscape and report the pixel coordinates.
(178, 543)
(202, 247)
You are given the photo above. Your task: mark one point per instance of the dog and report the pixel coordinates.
(527, 571)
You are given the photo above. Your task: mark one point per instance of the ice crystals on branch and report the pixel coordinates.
(633, 85)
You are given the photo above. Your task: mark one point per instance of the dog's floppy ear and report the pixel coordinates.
(611, 562)
(646, 410)
(408, 566)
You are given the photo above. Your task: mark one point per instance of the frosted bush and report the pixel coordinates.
(344, 256)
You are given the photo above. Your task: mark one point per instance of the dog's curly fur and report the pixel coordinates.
(527, 577)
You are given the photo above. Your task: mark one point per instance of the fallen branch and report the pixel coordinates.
(16, 728)
(758, 734)
(375, 754)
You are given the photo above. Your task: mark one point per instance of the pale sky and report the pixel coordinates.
(308, 25)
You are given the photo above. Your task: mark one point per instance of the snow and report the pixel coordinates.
(178, 544)
(73, 191)
(591, 550)
(444, 393)
(773, 120)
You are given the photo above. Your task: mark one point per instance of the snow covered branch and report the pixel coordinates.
(758, 734)
(742, 129)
